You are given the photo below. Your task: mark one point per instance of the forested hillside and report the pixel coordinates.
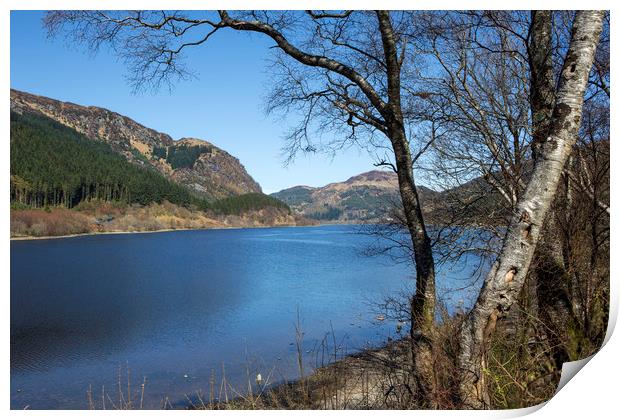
(248, 202)
(54, 165)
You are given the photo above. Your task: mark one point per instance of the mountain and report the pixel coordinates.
(373, 197)
(362, 198)
(207, 170)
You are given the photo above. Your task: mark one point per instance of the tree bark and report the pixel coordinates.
(423, 302)
(506, 278)
(546, 289)
(542, 83)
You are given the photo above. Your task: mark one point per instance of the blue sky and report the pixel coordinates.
(223, 105)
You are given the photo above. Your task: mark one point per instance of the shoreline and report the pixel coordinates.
(76, 235)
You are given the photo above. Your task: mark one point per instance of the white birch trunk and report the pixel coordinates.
(506, 278)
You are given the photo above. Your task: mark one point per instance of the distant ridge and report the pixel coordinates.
(371, 197)
(361, 198)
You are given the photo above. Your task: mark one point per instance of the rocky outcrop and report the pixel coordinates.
(213, 172)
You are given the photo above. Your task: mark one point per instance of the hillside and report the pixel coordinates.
(362, 198)
(371, 197)
(196, 164)
(64, 183)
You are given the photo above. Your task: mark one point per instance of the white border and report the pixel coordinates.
(591, 394)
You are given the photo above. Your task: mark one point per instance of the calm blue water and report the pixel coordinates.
(177, 307)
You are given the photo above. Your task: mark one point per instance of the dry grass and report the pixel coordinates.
(371, 379)
(98, 216)
(55, 222)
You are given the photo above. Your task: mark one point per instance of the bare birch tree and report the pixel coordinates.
(496, 89)
(506, 278)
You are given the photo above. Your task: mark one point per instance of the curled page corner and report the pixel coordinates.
(522, 412)
(570, 369)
